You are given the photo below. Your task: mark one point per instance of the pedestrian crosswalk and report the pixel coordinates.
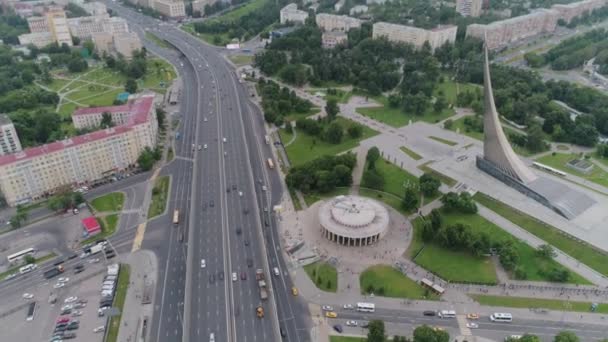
(462, 325)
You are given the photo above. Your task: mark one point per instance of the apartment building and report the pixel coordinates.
(358, 9)
(333, 38)
(85, 27)
(95, 8)
(570, 11)
(199, 5)
(291, 14)
(414, 35)
(469, 8)
(501, 33)
(36, 172)
(126, 43)
(331, 22)
(9, 141)
(46, 29)
(171, 8)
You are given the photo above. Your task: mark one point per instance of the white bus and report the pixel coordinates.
(176, 216)
(27, 268)
(31, 309)
(447, 314)
(366, 307)
(20, 255)
(501, 317)
(549, 169)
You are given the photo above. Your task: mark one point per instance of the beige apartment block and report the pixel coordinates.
(103, 41)
(291, 14)
(38, 24)
(9, 141)
(126, 43)
(171, 8)
(199, 5)
(331, 22)
(414, 35)
(39, 171)
(501, 33)
(469, 8)
(58, 25)
(38, 39)
(570, 11)
(333, 38)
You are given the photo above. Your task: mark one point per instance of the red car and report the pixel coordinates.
(243, 276)
(63, 319)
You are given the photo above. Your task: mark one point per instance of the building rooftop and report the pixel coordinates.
(90, 224)
(4, 119)
(354, 216)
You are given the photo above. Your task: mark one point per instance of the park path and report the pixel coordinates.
(293, 137)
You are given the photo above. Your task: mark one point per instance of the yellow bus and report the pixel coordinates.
(175, 216)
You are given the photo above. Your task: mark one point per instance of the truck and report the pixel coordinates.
(259, 277)
(53, 272)
(97, 248)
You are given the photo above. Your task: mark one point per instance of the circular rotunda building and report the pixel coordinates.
(353, 220)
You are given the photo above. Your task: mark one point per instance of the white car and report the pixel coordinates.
(71, 299)
(58, 285)
(348, 306)
(264, 188)
(11, 276)
(100, 328)
(93, 261)
(205, 146)
(77, 313)
(63, 280)
(28, 296)
(327, 308)
(234, 278)
(241, 193)
(67, 307)
(472, 325)
(203, 263)
(224, 139)
(199, 147)
(351, 323)
(205, 119)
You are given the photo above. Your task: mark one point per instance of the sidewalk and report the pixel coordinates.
(143, 271)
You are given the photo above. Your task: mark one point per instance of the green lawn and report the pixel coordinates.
(241, 59)
(559, 161)
(578, 250)
(388, 199)
(108, 227)
(443, 141)
(323, 275)
(386, 281)
(159, 197)
(538, 303)
(109, 202)
(313, 197)
(307, 147)
(341, 96)
(451, 89)
(396, 117)
(334, 338)
(38, 261)
(461, 128)
(449, 264)
(410, 153)
(444, 179)
(295, 115)
(119, 301)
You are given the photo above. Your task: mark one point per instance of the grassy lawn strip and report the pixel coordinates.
(553, 236)
(294, 200)
(157, 41)
(346, 339)
(323, 275)
(551, 304)
(241, 59)
(37, 262)
(443, 141)
(119, 302)
(386, 198)
(108, 227)
(386, 281)
(295, 115)
(311, 198)
(410, 153)
(458, 126)
(307, 147)
(559, 161)
(396, 117)
(443, 178)
(159, 197)
(109, 202)
(170, 154)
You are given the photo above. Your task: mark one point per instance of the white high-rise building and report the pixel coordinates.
(291, 14)
(414, 35)
(331, 22)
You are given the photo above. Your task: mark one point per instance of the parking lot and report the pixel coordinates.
(85, 286)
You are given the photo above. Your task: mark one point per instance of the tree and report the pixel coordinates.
(534, 141)
(372, 156)
(75, 40)
(529, 338)
(375, 331)
(566, 336)
(410, 199)
(161, 115)
(28, 259)
(425, 333)
(131, 86)
(508, 257)
(334, 133)
(146, 159)
(372, 179)
(331, 108)
(448, 124)
(546, 251)
(429, 185)
(440, 104)
(355, 131)
(106, 120)
(20, 217)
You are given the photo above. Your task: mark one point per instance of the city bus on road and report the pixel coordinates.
(20, 255)
(175, 216)
(270, 163)
(501, 317)
(366, 307)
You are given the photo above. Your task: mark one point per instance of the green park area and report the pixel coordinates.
(159, 197)
(100, 86)
(240, 60)
(538, 303)
(580, 251)
(443, 178)
(410, 153)
(306, 147)
(334, 338)
(449, 264)
(560, 161)
(451, 89)
(397, 117)
(323, 275)
(108, 203)
(386, 281)
(340, 95)
(311, 197)
(119, 302)
(293, 116)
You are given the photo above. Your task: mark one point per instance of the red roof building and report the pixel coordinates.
(91, 226)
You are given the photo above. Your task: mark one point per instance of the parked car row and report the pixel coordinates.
(108, 289)
(65, 325)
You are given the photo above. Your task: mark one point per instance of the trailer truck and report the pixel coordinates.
(259, 276)
(53, 272)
